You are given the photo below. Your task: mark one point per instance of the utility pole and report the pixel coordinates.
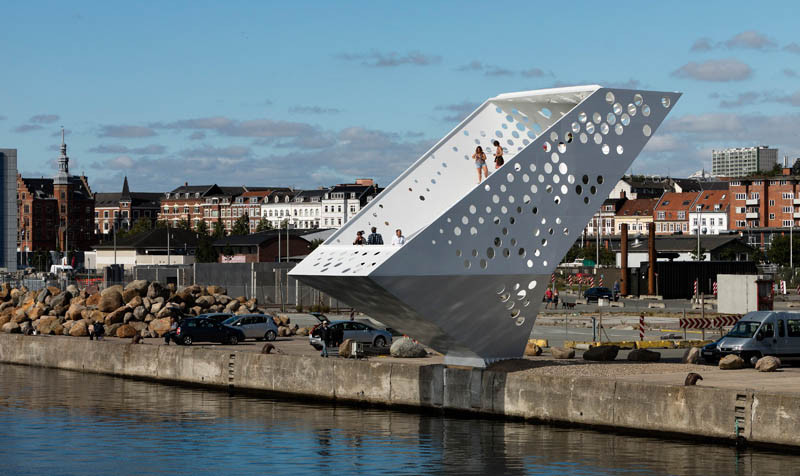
(114, 228)
(169, 232)
(699, 221)
(791, 251)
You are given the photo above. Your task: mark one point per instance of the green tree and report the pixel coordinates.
(140, 226)
(205, 251)
(778, 252)
(264, 225)
(759, 256)
(162, 224)
(219, 230)
(183, 224)
(702, 254)
(241, 226)
(201, 228)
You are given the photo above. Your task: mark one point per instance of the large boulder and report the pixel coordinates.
(284, 331)
(768, 364)
(156, 307)
(11, 328)
(562, 353)
(43, 295)
(160, 326)
(222, 299)
(184, 296)
(16, 294)
(94, 315)
(139, 286)
(601, 353)
(167, 312)
(110, 300)
(117, 287)
(116, 316)
(20, 316)
(156, 290)
(4, 319)
(6, 305)
(37, 311)
(49, 325)
(74, 312)
(407, 348)
(79, 329)
(251, 305)
(73, 290)
(232, 306)
(129, 294)
(216, 290)
(135, 302)
(126, 331)
(139, 313)
(532, 350)
(5, 291)
(93, 300)
(112, 329)
(60, 299)
(346, 348)
(691, 356)
(205, 301)
(644, 355)
(731, 362)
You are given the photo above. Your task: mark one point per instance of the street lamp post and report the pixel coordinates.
(699, 221)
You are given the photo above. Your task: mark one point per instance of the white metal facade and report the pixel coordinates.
(478, 257)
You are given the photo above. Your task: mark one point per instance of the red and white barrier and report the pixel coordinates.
(641, 327)
(715, 288)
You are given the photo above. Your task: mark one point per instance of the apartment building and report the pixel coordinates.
(742, 161)
(343, 201)
(124, 208)
(770, 202)
(603, 219)
(636, 214)
(710, 210)
(671, 213)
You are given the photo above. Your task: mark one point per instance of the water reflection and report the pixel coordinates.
(58, 422)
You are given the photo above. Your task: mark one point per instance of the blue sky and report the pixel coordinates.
(316, 93)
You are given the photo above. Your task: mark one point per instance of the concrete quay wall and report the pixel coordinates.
(655, 409)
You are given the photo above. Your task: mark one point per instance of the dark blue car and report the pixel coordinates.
(202, 329)
(593, 294)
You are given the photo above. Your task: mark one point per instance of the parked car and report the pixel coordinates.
(761, 333)
(358, 331)
(203, 329)
(593, 294)
(710, 352)
(254, 326)
(217, 316)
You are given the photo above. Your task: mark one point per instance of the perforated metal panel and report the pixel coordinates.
(470, 278)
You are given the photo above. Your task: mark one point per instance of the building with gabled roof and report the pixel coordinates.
(636, 214)
(671, 213)
(55, 214)
(711, 211)
(122, 209)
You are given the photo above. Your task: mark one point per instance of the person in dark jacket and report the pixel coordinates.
(375, 238)
(325, 338)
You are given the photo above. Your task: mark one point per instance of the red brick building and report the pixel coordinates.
(770, 202)
(55, 214)
(124, 208)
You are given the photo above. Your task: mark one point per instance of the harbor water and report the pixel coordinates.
(60, 422)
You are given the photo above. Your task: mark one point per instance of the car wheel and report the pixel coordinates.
(187, 340)
(752, 358)
(270, 336)
(233, 340)
(380, 341)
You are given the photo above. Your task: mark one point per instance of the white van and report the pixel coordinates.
(758, 334)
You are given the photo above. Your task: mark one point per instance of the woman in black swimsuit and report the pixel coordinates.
(498, 155)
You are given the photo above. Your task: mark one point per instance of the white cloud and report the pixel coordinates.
(715, 70)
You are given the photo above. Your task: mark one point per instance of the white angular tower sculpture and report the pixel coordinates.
(478, 257)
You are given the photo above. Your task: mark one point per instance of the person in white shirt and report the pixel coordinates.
(398, 239)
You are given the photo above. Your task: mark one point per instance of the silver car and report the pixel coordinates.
(254, 326)
(357, 331)
(760, 333)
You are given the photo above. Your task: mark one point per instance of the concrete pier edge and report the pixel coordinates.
(708, 413)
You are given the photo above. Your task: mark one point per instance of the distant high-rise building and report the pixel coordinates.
(744, 161)
(8, 209)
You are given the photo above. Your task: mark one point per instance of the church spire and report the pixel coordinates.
(63, 162)
(126, 191)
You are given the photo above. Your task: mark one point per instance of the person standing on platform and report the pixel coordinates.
(398, 239)
(374, 238)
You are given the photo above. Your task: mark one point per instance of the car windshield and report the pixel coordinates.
(230, 320)
(745, 329)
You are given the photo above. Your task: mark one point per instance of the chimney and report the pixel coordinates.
(622, 194)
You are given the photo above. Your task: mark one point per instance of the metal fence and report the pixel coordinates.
(269, 283)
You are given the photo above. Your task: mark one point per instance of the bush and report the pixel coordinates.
(298, 308)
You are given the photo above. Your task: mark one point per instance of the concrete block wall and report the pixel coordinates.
(704, 412)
